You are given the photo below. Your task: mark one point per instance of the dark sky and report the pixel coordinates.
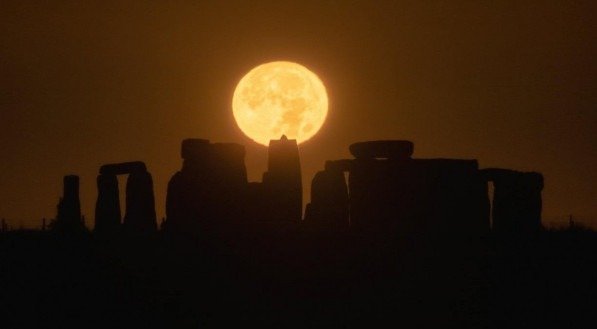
(512, 84)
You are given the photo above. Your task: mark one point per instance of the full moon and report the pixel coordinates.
(280, 98)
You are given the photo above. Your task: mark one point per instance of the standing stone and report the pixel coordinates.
(389, 191)
(227, 182)
(436, 210)
(210, 188)
(140, 203)
(228, 164)
(187, 194)
(107, 206)
(282, 181)
(179, 207)
(140, 214)
(329, 200)
(194, 150)
(69, 207)
(517, 200)
(256, 203)
(462, 198)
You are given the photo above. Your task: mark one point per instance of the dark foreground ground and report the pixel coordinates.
(298, 277)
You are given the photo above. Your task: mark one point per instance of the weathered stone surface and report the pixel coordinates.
(140, 214)
(123, 168)
(517, 199)
(388, 149)
(107, 206)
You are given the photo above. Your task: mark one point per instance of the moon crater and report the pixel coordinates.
(280, 98)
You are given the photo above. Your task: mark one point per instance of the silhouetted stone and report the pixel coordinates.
(228, 164)
(329, 206)
(516, 200)
(107, 206)
(438, 209)
(69, 207)
(210, 189)
(123, 168)
(140, 204)
(282, 181)
(228, 181)
(389, 149)
(255, 202)
(180, 208)
(71, 187)
(329, 200)
(420, 195)
(187, 194)
(194, 149)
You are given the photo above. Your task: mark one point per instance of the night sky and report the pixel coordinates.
(510, 84)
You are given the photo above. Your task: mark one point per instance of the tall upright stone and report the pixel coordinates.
(256, 203)
(380, 183)
(186, 199)
(107, 206)
(195, 154)
(517, 200)
(329, 199)
(391, 191)
(210, 188)
(282, 181)
(227, 182)
(140, 214)
(436, 210)
(69, 206)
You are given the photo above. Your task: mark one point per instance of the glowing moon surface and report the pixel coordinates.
(280, 98)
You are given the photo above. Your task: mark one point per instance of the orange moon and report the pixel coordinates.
(280, 98)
